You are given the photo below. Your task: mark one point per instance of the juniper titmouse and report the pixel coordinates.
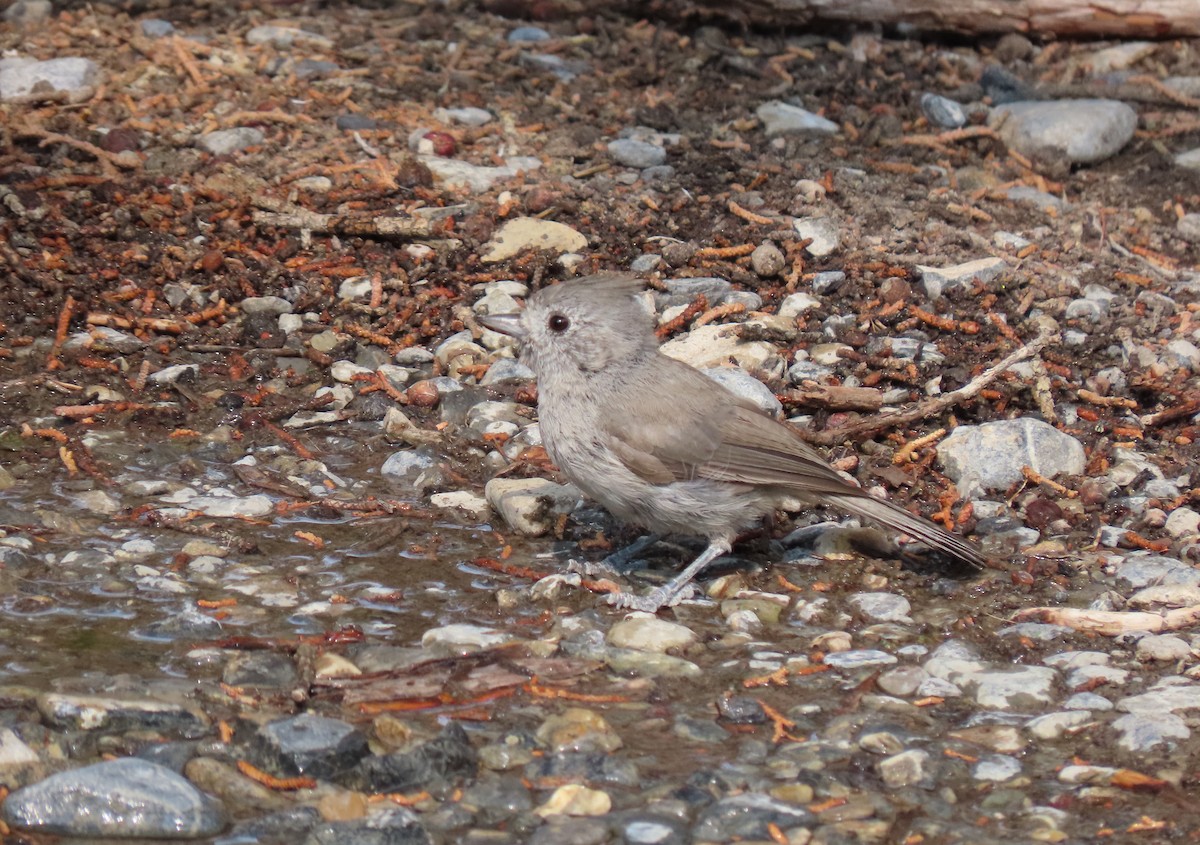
(660, 444)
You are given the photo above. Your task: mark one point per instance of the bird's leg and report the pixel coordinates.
(669, 592)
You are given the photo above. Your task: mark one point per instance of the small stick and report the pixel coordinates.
(1037, 478)
(936, 405)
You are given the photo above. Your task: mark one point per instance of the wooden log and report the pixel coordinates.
(1060, 18)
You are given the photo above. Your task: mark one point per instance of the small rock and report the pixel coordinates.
(528, 34)
(99, 713)
(716, 345)
(156, 28)
(464, 638)
(530, 505)
(466, 116)
(69, 78)
(385, 825)
(286, 36)
(780, 118)
(996, 768)
(523, 233)
(767, 260)
(937, 280)
(126, 798)
(991, 456)
(649, 633)
(942, 111)
(270, 305)
(228, 141)
(633, 153)
(25, 13)
(464, 500)
(1026, 195)
(858, 659)
(908, 768)
(574, 799)
(826, 237)
(797, 304)
(1054, 725)
(748, 816)
(882, 607)
(1166, 647)
(1074, 131)
(477, 178)
(308, 745)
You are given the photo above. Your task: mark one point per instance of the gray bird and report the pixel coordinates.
(660, 444)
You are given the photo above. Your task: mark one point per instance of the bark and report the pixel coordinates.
(1061, 18)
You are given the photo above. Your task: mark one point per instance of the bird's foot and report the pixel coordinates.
(592, 569)
(652, 602)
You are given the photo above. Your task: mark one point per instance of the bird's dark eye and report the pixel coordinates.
(558, 323)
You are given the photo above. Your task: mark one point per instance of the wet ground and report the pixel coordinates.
(239, 539)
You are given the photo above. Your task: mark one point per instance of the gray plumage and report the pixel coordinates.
(660, 444)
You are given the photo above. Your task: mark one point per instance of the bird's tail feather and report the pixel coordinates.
(897, 518)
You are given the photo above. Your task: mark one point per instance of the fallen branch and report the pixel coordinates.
(934, 406)
(1112, 623)
(334, 224)
(834, 397)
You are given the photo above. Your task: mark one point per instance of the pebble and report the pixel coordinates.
(465, 116)
(1164, 647)
(645, 632)
(228, 141)
(882, 607)
(942, 111)
(478, 178)
(825, 234)
(781, 118)
(1183, 522)
(233, 506)
(938, 280)
(127, 798)
(384, 825)
(630, 152)
(1074, 131)
(70, 78)
(767, 260)
(528, 34)
(574, 799)
(991, 456)
(996, 768)
(156, 28)
(717, 345)
(1025, 195)
(469, 503)
(908, 768)
(286, 36)
(525, 233)
(858, 659)
(1054, 725)
(26, 13)
(530, 506)
(308, 745)
(1189, 159)
(749, 816)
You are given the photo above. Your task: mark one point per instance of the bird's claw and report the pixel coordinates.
(652, 602)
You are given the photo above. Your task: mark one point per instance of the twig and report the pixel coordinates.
(1112, 623)
(333, 224)
(883, 422)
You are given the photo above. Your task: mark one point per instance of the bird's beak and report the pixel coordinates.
(509, 324)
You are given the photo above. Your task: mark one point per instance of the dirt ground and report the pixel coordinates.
(114, 216)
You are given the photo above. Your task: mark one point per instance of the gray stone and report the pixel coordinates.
(70, 78)
(449, 757)
(1073, 131)
(272, 305)
(938, 280)
(780, 118)
(747, 816)
(1026, 195)
(882, 607)
(286, 36)
(991, 456)
(1144, 731)
(857, 659)
(308, 745)
(127, 798)
(101, 713)
(824, 232)
(996, 768)
(156, 28)
(649, 633)
(1165, 647)
(384, 825)
(530, 506)
(1014, 688)
(1189, 159)
(908, 768)
(767, 260)
(1054, 725)
(528, 34)
(683, 291)
(633, 153)
(228, 141)
(26, 13)
(477, 178)
(797, 304)
(465, 116)
(942, 111)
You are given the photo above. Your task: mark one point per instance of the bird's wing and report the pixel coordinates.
(676, 424)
